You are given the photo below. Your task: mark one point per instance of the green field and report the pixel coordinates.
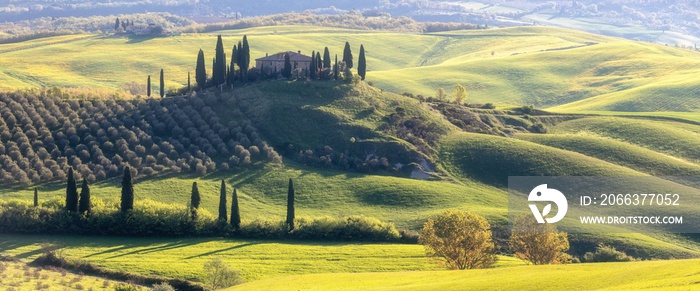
(524, 65)
(185, 257)
(649, 275)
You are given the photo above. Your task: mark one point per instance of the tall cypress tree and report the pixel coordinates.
(362, 63)
(195, 199)
(239, 60)
(312, 66)
(335, 68)
(189, 83)
(232, 66)
(36, 197)
(200, 73)
(84, 206)
(117, 24)
(347, 56)
(326, 58)
(213, 70)
(290, 205)
(162, 84)
(148, 86)
(220, 63)
(71, 192)
(319, 62)
(235, 214)
(222, 202)
(246, 57)
(287, 70)
(127, 199)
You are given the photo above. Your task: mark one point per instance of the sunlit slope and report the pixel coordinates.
(524, 65)
(262, 193)
(255, 259)
(651, 275)
(617, 152)
(672, 138)
(492, 159)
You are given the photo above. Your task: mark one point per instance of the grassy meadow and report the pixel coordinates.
(647, 275)
(256, 259)
(568, 70)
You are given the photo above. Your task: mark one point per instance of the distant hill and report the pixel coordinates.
(567, 70)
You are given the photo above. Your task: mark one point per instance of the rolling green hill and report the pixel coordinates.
(617, 152)
(649, 275)
(492, 159)
(672, 138)
(525, 65)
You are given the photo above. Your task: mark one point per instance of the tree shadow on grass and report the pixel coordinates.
(223, 250)
(159, 248)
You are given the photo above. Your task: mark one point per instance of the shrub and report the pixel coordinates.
(538, 243)
(606, 254)
(218, 275)
(461, 238)
(126, 287)
(348, 228)
(162, 287)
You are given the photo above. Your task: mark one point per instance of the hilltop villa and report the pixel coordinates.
(275, 63)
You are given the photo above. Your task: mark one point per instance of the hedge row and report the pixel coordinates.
(150, 218)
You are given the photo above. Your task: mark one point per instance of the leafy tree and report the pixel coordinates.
(127, 199)
(326, 58)
(235, 214)
(347, 56)
(460, 94)
(201, 71)
(441, 94)
(222, 202)
(287, 70)
(84, 206)
(290, 205)
(538, 243)
(461, 238)
(217, 275)
(71, 192)
(36, 197)
(195, 200)
(362, 63)
(162, 84)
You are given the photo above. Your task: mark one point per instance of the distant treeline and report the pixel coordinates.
(105, 24)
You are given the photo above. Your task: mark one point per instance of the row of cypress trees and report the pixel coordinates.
(223, 73)
(318, 63)
(235, 218)
(80, 203)
(162, 84)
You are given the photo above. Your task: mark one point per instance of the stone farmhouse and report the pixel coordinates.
(275, 63)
